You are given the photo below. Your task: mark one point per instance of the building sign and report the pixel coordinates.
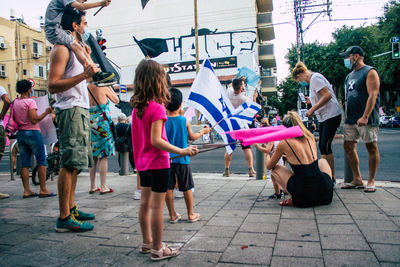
(212, 45)
(217, 63)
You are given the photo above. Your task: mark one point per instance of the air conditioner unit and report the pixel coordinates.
(35, 55)
(3, 74)
(3, 45)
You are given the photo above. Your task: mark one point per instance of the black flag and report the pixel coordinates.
(152, 47)
(144, 3)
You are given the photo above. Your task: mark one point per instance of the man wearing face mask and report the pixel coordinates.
(362, 115)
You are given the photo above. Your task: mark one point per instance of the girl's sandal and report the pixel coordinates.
(287, 203)
(158, 255)
(145, 249)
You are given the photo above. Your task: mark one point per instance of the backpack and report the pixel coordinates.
(122, 142)
(12, 126)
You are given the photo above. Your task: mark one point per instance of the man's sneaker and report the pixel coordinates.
(252, 172)
(275, 196)
(226, 173)
(72, 225)
(4, 196)
(104, 79)
(137, 194)
(80, 215)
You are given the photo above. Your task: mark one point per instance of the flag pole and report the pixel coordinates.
(196, 44)
(191, 142)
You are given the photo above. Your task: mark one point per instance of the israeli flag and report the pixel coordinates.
(208, 97)
(246, 112)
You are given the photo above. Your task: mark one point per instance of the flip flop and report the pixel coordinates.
(287, 203)
(177, 219)
(47, 195)
(106, 192)
(195, 218)
(31, 195)
(351, 186)
(94, 191)
(370, 189)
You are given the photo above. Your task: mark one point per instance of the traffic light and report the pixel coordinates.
(396, 50)
(101, 41)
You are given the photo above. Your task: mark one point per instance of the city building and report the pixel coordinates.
(24, 54)
(232, 34)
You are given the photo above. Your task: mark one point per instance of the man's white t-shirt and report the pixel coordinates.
(235, 99)
(2, 92)
(330, 109)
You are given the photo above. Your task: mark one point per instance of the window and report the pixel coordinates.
(24, 46)
(37, 48)
(2, 43)
(3, 67)
(39, 71)
(25, 72)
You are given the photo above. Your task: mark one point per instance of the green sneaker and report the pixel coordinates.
(80, 215)
(72, 225)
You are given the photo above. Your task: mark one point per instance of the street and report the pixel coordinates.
(213, 161)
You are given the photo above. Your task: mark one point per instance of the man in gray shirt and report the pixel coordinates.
(362, 116)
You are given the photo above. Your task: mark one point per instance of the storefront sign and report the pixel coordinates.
(217, 63)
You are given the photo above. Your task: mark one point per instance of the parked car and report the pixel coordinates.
(394, 122)
(384, 120)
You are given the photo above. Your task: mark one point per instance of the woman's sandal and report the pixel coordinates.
(287, 203)
(158, 255)
(145, 249)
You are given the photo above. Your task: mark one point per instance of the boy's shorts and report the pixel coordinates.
(57, 35)
(367, 133)
(156, 179)
(182, 174)
(74, 138)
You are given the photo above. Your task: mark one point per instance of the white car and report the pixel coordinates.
(384, 120)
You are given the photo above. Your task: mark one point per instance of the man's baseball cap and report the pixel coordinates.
(353, 50)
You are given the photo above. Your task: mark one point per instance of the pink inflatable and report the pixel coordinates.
(248, 133)
(274, 136)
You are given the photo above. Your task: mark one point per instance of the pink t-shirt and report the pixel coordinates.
(148, 157)
(20, 113)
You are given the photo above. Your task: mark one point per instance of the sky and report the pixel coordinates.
(344, 12)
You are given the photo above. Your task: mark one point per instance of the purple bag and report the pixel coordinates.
(12, 126)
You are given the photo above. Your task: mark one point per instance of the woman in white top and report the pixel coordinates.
(324, 105)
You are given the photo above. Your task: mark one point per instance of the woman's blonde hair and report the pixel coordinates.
(298, 69)
(293, 119)
(150, 84)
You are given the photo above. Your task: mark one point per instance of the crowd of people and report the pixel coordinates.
(157, 137)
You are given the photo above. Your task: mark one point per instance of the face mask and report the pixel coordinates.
(348, 64)
(303, 83)
(85, 36)
(32, 93)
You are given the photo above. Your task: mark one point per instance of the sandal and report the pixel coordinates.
(158, 255)
(287, 203)
(177, 219)
(147, 247)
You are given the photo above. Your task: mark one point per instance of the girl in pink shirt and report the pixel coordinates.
(151, 153)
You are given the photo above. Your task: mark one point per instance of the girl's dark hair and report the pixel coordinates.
(23, 86)
(70, 16)
(149, 84)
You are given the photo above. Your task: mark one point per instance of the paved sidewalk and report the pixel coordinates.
(239, 226)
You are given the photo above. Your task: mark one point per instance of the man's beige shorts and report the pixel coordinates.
(367, 133)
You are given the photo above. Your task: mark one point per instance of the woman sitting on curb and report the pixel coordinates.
(310, 183)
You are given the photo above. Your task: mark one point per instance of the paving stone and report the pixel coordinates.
(363, 207)
(389, 264)
(231, 213)
(330, 210)
(36, 259)
(181, 236)
(259, 227)
(396, 220)
(204, 243)
(235, 265)
(278, 261)
(217, 231)
(298, 249)
(338, 229)
(383, 237)
(307, 213)
(366, 225)
(123, 240)
(367, 215)
(195, 258)
(249, 255)
(254, 239)
(327, 218)
(184, 225)
(254, 218)
(225, 221)
(103, 231)
(101, 256)
(349, 258)
(302, 230)
(387, 252)
(346, 242)
(121, 221)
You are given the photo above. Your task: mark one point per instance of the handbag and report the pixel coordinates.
(122, 142)
(12, 126)
(111, 123)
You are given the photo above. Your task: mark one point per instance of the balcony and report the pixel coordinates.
(264, 5)
(268, 85)
(266, 56)
(265, 27)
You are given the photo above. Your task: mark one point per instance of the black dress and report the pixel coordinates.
(309, 186)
